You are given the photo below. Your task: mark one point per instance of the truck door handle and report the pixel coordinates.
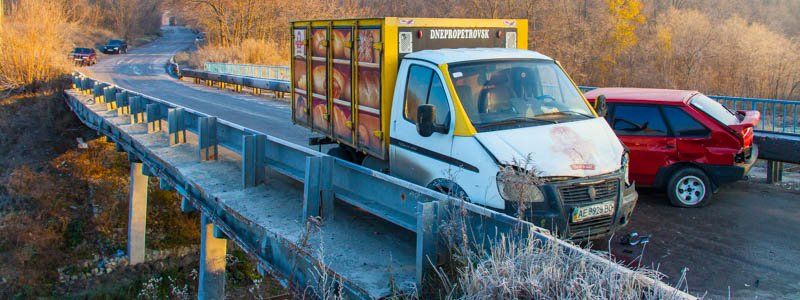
(669, 147)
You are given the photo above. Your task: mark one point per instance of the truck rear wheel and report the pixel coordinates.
(341, 153)
(689, 187)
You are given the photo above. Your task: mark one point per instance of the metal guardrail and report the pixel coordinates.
(257, 71)
(276, 85)
(325, 180)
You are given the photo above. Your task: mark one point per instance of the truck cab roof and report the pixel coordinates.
(447, 56)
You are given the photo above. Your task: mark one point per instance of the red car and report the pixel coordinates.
(83, 56)
(681, 141)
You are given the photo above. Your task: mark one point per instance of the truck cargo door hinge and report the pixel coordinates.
(378, 46)
(378, 134)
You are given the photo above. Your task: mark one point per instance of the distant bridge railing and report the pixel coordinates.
(257, 71)
(776, 115)
(325, 180)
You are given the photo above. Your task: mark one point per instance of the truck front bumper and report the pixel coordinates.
(563, 197)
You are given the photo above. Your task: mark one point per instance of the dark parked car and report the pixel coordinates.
(83, 56)
(681, 141)
(116, 47)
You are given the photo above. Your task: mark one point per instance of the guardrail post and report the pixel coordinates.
(111, 103)
(137, 214)
(207, 138)
(123, 107)
(137, 109)
(109, 94)
(97, 93)
(164, 185)
(187, 206)
(253, 172)
(212, 262)
(175, 126)
(428, 219)
(317, 188)
(86, 85)
(774, 171)
(153, 118)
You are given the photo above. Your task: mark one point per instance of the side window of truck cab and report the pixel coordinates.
(425, 87)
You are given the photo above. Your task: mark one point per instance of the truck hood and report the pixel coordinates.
(579, 149)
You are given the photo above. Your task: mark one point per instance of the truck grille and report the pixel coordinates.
(578, 193)
(590, 228)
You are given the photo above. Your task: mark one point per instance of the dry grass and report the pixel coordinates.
(32, 45)
(521, 265)
(250, 51)
(545, 270)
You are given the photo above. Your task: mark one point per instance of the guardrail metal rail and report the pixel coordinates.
(327, 183)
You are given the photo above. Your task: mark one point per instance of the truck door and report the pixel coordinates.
(413, 157)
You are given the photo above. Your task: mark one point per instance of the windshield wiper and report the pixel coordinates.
(566, 112)
(514, 121)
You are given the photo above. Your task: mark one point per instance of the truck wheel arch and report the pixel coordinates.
(449, 187)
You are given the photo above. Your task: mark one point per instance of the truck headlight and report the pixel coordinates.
(515, 188)
(624, 162)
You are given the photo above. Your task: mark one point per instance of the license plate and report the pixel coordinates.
(592, 211)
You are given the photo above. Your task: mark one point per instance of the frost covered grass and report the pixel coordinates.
(535, 269)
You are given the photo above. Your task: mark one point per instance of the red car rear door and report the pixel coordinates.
(693, 138)
(641, 127)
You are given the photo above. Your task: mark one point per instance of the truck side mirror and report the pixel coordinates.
(425, 115)
(600, 106)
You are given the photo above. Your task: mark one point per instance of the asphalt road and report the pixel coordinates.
(143, 70)
(744, 243)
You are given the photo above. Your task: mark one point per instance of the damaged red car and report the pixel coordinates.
(681, 141)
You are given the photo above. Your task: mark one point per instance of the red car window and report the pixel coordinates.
(643, 120)
(684, 125)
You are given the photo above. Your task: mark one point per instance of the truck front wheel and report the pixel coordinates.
(689, 187)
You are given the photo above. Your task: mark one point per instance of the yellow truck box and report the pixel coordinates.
(344, 71)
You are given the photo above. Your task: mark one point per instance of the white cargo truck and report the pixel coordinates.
(460, 106)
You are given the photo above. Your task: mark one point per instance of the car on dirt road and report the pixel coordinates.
(83, 56)
(681, 141)
(116, 47)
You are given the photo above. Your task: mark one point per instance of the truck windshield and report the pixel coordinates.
(496, 94)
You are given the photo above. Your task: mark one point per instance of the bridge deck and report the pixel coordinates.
(361, 248)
